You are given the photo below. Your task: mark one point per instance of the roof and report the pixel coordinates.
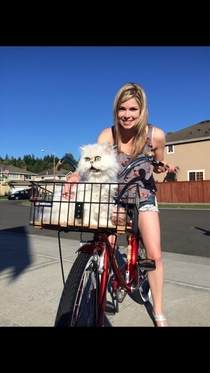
(17, 170)
(13, 183)
(50, 172)
(22, 171)
(197, 132)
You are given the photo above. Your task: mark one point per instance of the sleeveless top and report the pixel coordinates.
(143, 171)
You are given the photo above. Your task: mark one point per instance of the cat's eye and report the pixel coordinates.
(97, 158)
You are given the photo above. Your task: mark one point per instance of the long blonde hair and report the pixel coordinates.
(126, 92)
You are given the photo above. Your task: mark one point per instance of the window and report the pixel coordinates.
(27, 177)
(170, 149)
(14, 176)
(195, 175)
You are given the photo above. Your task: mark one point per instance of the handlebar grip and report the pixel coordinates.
(158, 163)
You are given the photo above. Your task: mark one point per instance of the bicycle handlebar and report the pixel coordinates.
(68, 159)
(149, 157)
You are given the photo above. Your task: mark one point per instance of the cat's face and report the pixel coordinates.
(97, 159)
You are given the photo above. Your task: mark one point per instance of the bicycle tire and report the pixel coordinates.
(78, 306)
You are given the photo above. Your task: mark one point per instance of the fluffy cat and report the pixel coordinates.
(97, 166)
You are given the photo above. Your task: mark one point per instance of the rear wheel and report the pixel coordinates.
(79, 300)
(144, 288)
(143, 293)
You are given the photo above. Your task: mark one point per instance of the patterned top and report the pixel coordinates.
(144, 171)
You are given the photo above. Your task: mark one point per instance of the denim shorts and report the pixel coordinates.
(149, 205)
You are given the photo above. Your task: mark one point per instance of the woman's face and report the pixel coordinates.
(128, 113)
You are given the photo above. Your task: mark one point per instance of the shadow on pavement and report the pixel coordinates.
(205, 232)
(14, 254)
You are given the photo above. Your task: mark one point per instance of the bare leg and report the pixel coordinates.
(112, 240)
(149, 227)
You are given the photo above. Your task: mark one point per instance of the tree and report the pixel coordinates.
(36, 165)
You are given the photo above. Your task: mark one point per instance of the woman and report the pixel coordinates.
(133, 137)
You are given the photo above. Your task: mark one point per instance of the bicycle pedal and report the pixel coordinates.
(147, 264)
(120, 295)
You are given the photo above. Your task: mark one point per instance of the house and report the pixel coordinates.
(50, 181)
(13, 178)
(51, 175)
(189, 150)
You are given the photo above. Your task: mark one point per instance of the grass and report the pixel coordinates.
(185, 205)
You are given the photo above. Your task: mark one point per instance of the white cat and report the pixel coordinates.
(98, 168)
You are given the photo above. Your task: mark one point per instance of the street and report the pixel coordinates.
(183, 231)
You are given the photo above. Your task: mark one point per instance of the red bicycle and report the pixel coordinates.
(84, 296)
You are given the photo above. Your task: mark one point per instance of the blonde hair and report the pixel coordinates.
(126, 92)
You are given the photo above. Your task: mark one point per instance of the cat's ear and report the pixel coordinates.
(81, 149)
(109, 148)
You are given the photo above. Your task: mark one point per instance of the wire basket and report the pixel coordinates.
(88, 207)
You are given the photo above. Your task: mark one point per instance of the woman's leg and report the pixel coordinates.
(113, 241)
(149, 227)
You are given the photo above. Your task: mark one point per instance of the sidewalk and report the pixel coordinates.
(31, 285)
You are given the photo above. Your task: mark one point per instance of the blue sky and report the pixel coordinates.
(59, 98)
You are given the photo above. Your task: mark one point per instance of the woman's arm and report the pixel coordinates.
(105, 137)
(159, 141)
(73, 178)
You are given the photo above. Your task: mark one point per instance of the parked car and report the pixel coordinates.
(20, 194)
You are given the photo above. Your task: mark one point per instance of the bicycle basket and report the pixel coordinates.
(88, 207)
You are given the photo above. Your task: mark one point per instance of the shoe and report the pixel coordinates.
(160, 319)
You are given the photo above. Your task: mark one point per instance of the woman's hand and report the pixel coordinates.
(167, 167)
(67, 192)
(118, 216)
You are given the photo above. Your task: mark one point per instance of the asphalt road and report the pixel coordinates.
(184, 231)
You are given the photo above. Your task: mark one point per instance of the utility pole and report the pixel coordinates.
(44, 150)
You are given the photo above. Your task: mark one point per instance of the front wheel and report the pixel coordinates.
(79, 300)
